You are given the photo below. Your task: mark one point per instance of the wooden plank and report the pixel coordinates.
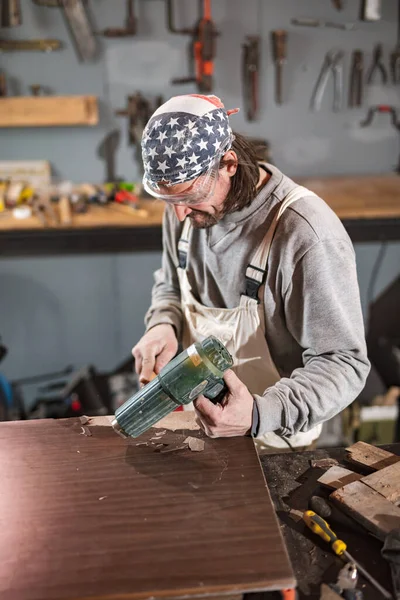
(370, 456)
(337, 476)
(48, 111)
(386, 482)
(367, 507)
(96, 516)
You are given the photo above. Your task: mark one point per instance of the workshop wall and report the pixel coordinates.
(90, 309)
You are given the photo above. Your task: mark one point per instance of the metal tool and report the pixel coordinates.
(311, 22)
(76, 17)
(371, 10)
(381, 108)
(377, 65)
(138, 111)
(107, 151)
(29, 45)
(130, 24)
(395, 55)
(279, 42)
(250, 75)
(197, 370)
(356, 79)
(10, 13)
(320, 527)
(202, 47)
(332, 63)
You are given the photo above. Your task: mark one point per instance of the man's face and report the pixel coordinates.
(208, 213)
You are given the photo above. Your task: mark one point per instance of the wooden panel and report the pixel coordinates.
(367, 507)
(370, 456)
(359, 197)
(337, 476)
(95, 516)
(47, 111)
(386, 482)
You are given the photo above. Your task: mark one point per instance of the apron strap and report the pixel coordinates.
(183, 244)
(256, 271)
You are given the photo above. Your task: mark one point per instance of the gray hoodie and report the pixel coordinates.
(315, 329)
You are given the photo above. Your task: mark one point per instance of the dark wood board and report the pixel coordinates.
(100, 517)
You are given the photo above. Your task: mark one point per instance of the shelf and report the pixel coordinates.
(48, 111)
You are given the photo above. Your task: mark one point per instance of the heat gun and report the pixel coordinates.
(197, 370)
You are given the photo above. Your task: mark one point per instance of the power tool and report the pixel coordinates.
(197, 370)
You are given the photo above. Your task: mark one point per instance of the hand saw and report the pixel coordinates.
(77, 19)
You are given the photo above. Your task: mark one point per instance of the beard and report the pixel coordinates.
(202, 220)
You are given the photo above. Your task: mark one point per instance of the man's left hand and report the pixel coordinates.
(233, 417)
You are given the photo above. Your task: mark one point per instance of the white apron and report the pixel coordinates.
(242, 329)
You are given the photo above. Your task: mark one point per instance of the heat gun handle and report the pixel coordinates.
(217, 392)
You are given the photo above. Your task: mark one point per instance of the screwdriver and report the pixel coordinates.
(279, 41)
(319, 526)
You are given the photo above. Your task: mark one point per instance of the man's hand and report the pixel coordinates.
(233, 417)
(154, 350)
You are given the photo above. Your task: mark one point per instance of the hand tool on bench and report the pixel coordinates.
(279, 43)
(356, 79)
(130, 24)
(10, 13)
(395, 55)
(76, 17)
(377, 65)
(29, 45)
(250, 75)
(197, 370)
(332, 63)
(202, 47)
(311, 22)
(320, 527)
(371, 10)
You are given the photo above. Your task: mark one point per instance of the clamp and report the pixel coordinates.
(332, 63)
(377, 65)
(356, 79)
(381, 108)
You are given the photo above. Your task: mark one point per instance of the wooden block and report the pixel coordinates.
(96, 516)
(370, 456)
(336, 477)
(367, 507)
(48, 111)
(386, 482)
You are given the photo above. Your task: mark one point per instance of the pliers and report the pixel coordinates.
(377, 64)
(332, 62)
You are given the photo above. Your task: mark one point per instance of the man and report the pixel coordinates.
(262, 264)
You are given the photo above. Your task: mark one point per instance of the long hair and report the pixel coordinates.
(244, 182)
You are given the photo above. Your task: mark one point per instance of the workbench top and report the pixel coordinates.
(369, 207)
(292, 481)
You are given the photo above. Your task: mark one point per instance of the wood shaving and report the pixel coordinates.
(84, 420)
(324, 463)
(195, 444)
(86, 431)
(169, 449)
(103, 497)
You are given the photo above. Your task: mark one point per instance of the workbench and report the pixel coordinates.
(292, 481)
(369, 207)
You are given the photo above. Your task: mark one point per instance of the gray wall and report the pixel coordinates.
(90, 309)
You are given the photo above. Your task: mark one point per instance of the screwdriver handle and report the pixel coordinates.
(319, 526)
(279, 41)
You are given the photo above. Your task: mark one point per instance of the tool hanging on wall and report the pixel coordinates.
(250, 75)
(279, 43)
(29, 45)
(332, 63)
(383, 108)
(311, 22)
(395, 55)
(356, 79)
(3, 85)
(10, 13)
(202, 47)
(130, 24)
(371, 10)
(338, 4)
(377, 65)
(77, 20)
(107, 151)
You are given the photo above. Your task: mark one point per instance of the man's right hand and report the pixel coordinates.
(154, 350)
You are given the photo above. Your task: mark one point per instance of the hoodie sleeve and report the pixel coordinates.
(323, 314)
